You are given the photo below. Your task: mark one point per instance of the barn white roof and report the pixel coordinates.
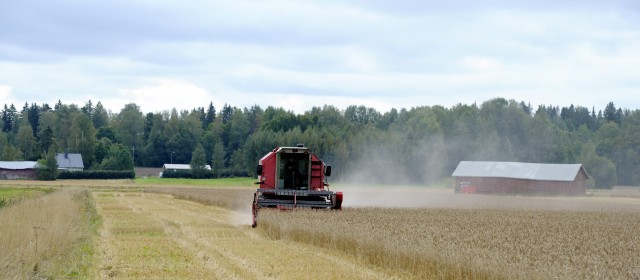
(518, 170)
(18, 165)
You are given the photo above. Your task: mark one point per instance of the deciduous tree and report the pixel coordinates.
(198, 163)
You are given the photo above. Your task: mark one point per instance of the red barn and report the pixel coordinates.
(18, 169)
(522, 178)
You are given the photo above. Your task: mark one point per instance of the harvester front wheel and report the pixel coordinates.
(254, 223)
(254, 211)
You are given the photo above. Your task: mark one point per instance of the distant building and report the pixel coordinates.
(175, 167)
(18, 169)
(522, 178)
(70, 162)
(171, 166)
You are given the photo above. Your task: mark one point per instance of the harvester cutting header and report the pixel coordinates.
(293, 177)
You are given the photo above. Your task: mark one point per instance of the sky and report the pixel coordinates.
(300, 54)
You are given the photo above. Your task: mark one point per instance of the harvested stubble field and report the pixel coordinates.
(154, 236)
(230, 198)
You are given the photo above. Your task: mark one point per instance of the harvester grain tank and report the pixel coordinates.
(293, 177)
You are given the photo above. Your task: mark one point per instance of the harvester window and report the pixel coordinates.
(294, 171)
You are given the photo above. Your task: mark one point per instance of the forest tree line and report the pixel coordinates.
(407, 146)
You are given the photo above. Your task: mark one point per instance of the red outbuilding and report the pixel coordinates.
(18, 169)
(492, 177)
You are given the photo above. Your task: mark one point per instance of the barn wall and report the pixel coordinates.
(490, 185)
(581, 182)
(17, 174)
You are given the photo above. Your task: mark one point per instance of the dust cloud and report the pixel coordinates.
(381, 175)
(395, 197)
(427, 197)
(381, 164)
(429, 159)
(241, 216)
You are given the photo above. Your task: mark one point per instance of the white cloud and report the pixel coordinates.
(362, 62)
(477, 63)
(5, 94)
(164, 94)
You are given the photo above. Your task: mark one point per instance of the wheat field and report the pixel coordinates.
(474, 244)
(48, 237)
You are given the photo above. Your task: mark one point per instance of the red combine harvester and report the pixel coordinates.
(466, 188)
(293, 177)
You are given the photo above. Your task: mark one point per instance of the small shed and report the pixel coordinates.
(172, 166)
(18, 169)
(176, 167)
(522, 178)
(70, 162)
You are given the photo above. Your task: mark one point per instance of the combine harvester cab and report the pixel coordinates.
(293, 177)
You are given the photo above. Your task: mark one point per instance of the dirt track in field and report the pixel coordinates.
(154, 236)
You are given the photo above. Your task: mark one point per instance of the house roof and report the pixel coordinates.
(18, 165)
(518, 170)
(181, 166)
(66, 160)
